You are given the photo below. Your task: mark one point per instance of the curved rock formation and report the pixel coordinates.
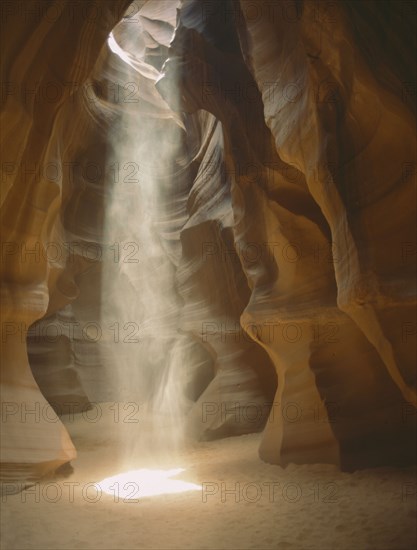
(334, 273)
(49, 49)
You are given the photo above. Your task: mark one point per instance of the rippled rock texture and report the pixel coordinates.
(281, 139)
(49, 49)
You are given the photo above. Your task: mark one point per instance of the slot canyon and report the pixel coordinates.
(208, 274)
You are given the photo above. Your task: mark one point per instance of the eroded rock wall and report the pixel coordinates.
(333, 295)
(48, 51)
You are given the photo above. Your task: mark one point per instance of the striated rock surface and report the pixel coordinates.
(346, 111)
(48, 50)
(279, 141)
(313, 305)
(52, 352)
(333, 269)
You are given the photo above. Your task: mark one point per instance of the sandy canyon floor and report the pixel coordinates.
(239, 503)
